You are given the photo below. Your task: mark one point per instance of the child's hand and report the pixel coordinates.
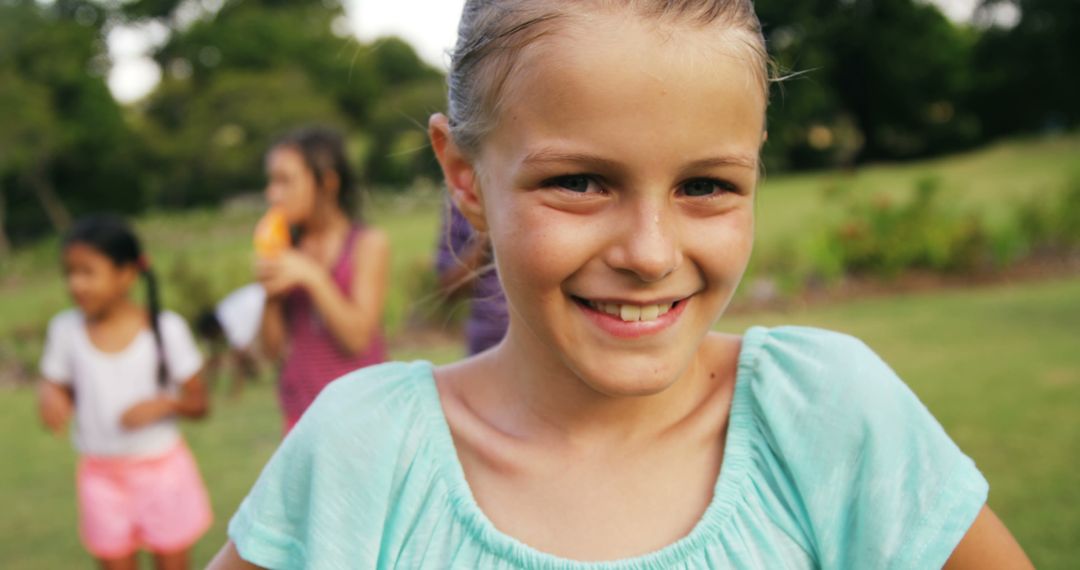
(55, 406)
(285, 271)
(147, 412)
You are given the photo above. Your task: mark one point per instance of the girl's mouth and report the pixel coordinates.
(629, 320)
(629, 312)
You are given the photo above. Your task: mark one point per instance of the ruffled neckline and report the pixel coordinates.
(726, 490)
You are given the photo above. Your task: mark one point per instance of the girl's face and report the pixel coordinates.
(94, 281)
(618, 190)
(291, 184)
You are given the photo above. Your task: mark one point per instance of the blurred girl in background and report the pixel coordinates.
(325, 294)
(126, 372)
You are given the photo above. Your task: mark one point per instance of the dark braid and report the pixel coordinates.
(154, 306)
(113, 237)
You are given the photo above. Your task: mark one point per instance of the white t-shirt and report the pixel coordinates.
(240, 314)
(107, 384)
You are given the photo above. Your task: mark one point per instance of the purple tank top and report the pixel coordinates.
(314, 358)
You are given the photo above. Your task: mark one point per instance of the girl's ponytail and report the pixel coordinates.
(153, 306)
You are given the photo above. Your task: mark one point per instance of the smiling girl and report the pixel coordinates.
(610, 152)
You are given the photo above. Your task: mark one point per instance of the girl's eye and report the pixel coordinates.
(578, 183)
(706, 187)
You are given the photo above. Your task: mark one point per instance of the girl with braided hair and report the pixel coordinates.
(126, 373)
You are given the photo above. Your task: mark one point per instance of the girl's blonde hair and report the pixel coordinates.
(493, 32)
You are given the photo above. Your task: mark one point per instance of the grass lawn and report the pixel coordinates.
(999, 367)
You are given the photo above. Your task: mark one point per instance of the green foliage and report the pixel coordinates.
(874, 79)
(883, 237)
(1025, 76)
(1051, 223)
(398, 125)
(238, 77)
(203, 158)
(63, 135)
(885, 234)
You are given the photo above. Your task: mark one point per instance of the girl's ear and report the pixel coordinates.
(129, 275)
(331, 182)
(460, 174)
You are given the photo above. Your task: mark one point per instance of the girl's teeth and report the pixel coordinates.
(631, 313)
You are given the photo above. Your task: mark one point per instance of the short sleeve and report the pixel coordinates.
(182, 357)
(56, 358)
(240, 314)
(323, 496)
(882, 484)
(269, 526)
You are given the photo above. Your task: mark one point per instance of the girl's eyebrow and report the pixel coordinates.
(741, 160)
(549, 155)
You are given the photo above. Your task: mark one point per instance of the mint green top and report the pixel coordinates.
(830, 462)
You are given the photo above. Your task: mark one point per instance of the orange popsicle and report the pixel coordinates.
(271, 234)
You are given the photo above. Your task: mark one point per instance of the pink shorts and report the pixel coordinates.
(158, 502)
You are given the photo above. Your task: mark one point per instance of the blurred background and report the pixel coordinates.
(922, 192)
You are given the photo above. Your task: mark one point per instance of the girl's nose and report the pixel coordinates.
(273, 194)
(647, 243)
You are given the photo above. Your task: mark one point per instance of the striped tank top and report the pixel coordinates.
(314, 357)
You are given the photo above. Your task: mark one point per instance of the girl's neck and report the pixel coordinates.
(327, 220)
(120, 310)
(534, 396)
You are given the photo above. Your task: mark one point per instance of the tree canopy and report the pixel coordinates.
(865, 80)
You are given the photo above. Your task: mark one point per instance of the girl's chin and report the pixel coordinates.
(619, 381)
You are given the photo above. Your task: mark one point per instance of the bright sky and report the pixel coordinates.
(429, 25)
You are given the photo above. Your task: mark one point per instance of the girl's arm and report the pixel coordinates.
(56, 403)
(229, 559)
(353, 319)
(272, 334)
(988, 544)
(192, 402)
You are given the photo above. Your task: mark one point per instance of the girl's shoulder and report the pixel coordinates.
(174, 328)
(833, 425)
(826, 386)
(815, 361)
(386, 397)
(808, 388)
(63, 329)
(170, 320)
(820, 398)
(369, 240)
(66, 320)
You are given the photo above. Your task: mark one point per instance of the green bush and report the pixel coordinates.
(883, 237)
(1051, 226)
